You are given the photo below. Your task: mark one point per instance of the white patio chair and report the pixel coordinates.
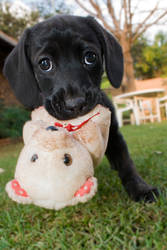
(123, 105)
(162, 104)
(148, 109)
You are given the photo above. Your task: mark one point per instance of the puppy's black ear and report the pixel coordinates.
(18, 70)
(112, 52)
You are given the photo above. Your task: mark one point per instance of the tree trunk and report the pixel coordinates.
(128, 83)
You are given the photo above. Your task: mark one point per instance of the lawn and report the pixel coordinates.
(110, 220)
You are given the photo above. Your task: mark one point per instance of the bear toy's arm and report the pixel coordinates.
(94, 134)
(90, 136)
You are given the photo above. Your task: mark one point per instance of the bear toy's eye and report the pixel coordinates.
(34, 158)
(67, 159)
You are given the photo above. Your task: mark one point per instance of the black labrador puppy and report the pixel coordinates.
(58, 63)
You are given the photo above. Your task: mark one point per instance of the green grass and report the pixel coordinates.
(105, 83)
(110, 220)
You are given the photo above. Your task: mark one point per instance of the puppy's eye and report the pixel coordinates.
(45, 64)
(34, 158)
(67, 159)
(90, 58)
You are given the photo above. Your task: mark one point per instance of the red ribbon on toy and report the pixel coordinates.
(85, 189)
(71, 127)
(17, 188)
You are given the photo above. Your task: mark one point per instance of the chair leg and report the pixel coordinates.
(119, 117)
(132, 119)
(166, 110)
(158, 111)
(136, 115)
(151, 118)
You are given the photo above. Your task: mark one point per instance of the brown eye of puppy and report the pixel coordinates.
(90, 58)
(34, 158)
(45, 64)
(67, 159)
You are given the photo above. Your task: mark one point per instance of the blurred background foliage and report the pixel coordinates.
(12, 119)
(150, 58)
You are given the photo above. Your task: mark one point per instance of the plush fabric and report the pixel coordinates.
(56, 167)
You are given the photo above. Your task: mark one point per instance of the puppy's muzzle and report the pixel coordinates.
(64, 106)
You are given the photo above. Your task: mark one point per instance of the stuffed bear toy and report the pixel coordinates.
(56, 165)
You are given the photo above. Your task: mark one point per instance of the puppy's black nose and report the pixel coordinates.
(75, 104)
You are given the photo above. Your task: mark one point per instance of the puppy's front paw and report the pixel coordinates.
(138, 190)
(148, 194)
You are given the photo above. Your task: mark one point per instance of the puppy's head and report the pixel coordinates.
(59, 63)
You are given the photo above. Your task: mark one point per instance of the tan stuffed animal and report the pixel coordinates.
(56, 165)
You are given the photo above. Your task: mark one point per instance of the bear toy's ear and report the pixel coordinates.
(30, 127)
(41, 114)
